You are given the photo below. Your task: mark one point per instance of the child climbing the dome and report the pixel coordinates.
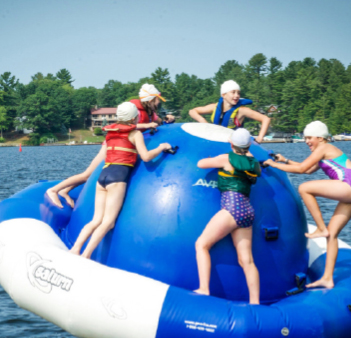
(147, 105)
(63, 188)
(237, 171)
(123, 143)
(337, 167)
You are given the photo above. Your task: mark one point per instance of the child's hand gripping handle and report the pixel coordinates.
(172, 150)
(271, 154)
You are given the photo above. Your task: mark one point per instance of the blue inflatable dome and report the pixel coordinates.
(170, 200)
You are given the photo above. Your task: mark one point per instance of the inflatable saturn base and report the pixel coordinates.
(139, 282)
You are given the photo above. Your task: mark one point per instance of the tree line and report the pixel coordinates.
(303, 91)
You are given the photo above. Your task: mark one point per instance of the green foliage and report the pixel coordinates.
(135, 97)
(47, 108)
(63, 130)
(34, 140)
(104, 124)
(98, 131)
(64, 76)
(48, 137)
(303, 91)
(4, 120)
(2, 140)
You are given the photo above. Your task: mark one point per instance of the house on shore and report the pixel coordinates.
(98, 115)
(272, 110)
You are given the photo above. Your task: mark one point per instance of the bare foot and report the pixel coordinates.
(85, 255)
(202, 292)
(54, 198)
(321, 283)
(67, 198)
(74, 251)
(318, 233)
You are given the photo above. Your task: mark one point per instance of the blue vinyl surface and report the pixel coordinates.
(169, 201)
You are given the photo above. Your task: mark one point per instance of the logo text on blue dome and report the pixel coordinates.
(204, 183)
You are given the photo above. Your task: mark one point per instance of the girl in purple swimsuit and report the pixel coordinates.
(337, 166)
(237, 171)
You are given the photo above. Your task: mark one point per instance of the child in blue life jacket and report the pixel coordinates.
(123, 143)
(230, 110)
(237, 171)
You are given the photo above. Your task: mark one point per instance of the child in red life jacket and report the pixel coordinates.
(124, 142)
(147, 105)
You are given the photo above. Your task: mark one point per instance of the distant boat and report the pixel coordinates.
(278, 137)
(339, 137)
(297, 138)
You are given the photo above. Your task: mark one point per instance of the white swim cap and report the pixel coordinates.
(148, 92)
(241, 138)
(316, 128)
(229, 85)
(126, 111)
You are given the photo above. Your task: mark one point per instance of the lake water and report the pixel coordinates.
(18, 170)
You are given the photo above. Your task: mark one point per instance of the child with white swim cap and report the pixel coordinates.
(147, 105)
(123, 143)
(237, 171)
(337, 167)
(230, 110)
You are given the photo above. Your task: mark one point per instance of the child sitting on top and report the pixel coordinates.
(124, 142)
(238, 170)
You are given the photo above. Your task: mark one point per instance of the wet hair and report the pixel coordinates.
(241, 151)
(147, 107)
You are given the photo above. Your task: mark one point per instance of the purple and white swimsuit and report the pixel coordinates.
(336, 169)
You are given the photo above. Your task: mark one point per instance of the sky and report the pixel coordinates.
(125, 40)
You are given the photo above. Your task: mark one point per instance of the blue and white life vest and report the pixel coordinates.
(229, 119)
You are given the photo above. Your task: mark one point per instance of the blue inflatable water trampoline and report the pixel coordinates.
(139, 282)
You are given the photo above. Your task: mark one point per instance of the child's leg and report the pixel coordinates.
(342, 215)
(69, 184)
(114, 202)
(100, 201)
(333, 189)
(242, 239)
(74, 181)
(219, 226)
(64, 193)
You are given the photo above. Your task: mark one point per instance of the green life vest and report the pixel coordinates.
(246, 170)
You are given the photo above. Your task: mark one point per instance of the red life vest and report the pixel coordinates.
(119, 149)
(143, 115)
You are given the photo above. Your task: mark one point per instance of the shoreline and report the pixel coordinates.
(50, 145)
(99, 143)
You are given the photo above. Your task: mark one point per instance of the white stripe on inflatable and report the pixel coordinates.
(83, 297)
(318, 246)
(208, 131)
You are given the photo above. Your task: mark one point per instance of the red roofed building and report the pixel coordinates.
(98, 115)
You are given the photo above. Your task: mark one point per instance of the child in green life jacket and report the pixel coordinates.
(238, 170)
